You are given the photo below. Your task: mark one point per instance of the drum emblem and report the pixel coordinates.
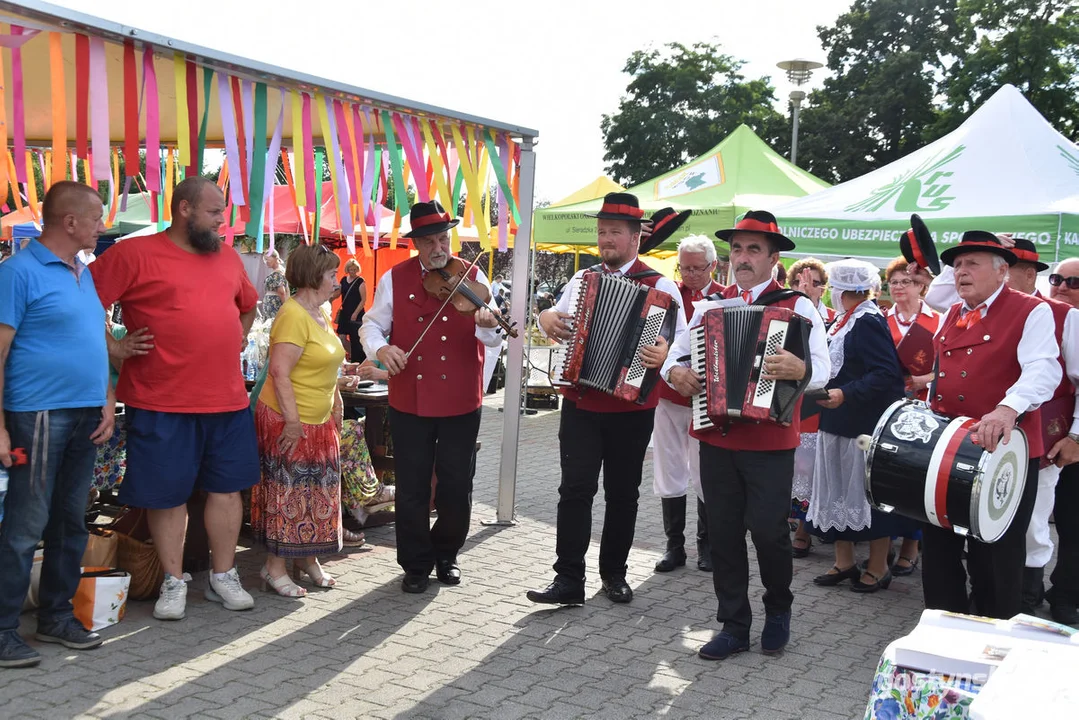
(1003, 485)
(912, 425)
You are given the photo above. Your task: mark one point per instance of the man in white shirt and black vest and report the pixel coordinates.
(747, 468)
(598, 430)
(435, 361)
(997, 362)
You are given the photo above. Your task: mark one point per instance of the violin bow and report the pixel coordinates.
(445, 302)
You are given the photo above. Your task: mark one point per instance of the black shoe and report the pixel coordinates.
(447, 572)
(671, 559)
(828, 580)
(1064, 612)
(1033, 590)
(776, 633)
(801, 552)
(881, 583)
(68, 632)
(902, 571)
(722, 646)
(560, 592)
(704, 558)
(617, 590)
(415, 582)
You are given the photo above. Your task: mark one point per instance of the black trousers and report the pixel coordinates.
(1065, 577)
(996, 569)
(588, 441)
(748, 490)
(445, 446)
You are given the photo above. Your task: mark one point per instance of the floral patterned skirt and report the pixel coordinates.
(359, 483)
(111, 459)
(296, 507)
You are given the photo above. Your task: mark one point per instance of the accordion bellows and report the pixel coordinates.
(613, 319)
(728, 349)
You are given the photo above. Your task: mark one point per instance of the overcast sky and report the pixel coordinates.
(551, 65)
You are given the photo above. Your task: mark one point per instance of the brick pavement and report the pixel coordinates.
(479, 650)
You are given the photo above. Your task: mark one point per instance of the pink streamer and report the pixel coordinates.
(503, 205)
(18, 109)
(15, 41)
(99, 110)
(340, 192)
(271, 165)
(360, 181)
(409, 143)
(346, 149)
(232, 143)
(153, 121)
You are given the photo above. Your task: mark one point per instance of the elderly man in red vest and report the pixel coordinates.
(675, 457)
(436, 390)
(599, 430)
(747, 468)
(997, 357)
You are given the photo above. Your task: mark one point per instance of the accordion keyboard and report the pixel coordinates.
(777, 336)
(699, 402)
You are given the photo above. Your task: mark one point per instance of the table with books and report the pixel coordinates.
(964, 666)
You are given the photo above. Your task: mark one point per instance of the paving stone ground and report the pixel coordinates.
(479, 650)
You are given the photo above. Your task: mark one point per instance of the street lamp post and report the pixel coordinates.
(798, 72)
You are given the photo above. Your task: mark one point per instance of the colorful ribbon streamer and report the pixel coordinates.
(207, 93)
(99, 109)
(59, 107)
(400, 190)
(258, 166)
(18, 111)
(183, 132)
(228, 132)
(314, 182)
(192, 82)
(300, 186)
(82, 96)
(153, 121)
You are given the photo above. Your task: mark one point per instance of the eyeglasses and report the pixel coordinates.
(816, 283)
(905, 282)
(693, 269)
(1071, 282)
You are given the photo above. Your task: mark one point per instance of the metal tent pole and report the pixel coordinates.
(519, 308)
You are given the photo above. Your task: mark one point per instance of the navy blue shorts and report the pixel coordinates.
(169, 455)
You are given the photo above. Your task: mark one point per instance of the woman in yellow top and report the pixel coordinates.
(296, 507)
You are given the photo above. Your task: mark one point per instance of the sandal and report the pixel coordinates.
(352, 539)
(803, 550)
(904, 570)
(283, 585)
(314, 571)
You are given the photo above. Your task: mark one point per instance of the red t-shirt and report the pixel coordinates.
(191, 304)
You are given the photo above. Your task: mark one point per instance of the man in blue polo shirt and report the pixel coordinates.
(57, 406)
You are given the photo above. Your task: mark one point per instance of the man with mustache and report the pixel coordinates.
(188, 416)
(598, 430)
(436, 392)
(747, 469)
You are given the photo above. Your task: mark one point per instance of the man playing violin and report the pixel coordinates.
(599, 430)
(435, 362)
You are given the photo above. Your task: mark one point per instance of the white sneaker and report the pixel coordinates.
(173, 600)
(229, 592)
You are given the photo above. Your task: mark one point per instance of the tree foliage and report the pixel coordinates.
(680, 102)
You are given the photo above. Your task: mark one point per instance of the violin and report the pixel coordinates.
(465, 295)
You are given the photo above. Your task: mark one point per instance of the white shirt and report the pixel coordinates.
(664, 284)
(818, 341)
(1038, 355)
(942, 294)
(923, 309)
(378, 321)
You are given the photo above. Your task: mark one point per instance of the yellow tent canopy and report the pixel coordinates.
(595, 189)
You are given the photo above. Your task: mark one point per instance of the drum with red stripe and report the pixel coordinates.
(925, 466)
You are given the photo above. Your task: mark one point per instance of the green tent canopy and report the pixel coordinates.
(1003, 170)
(741, 173)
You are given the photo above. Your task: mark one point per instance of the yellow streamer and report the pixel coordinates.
(170, 179)
(183, 129)
(13, 182)
(31, 186)
(4, 176)
(299, 152)
(114, 201)
(471, 181)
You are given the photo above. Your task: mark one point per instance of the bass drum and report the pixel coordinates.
(925, 466)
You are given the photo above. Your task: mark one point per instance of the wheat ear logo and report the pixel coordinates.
(921, 189)
(1072, 160)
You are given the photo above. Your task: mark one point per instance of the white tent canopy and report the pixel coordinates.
(1004, 170)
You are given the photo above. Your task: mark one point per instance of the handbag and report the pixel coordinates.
(101, 598)
(101, 548)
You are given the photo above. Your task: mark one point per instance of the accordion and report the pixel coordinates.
(613, 318)
(728, 349)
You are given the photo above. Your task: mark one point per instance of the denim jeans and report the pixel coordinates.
(46, 500)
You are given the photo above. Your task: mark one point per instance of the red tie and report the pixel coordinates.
(747, 296)
(697, 295)
(971, 319)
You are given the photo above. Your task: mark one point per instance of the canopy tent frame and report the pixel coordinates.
(48, 17)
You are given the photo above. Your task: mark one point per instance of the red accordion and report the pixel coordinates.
(613, 319)
(728, 349)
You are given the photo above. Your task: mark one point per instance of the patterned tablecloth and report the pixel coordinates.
(903, 694)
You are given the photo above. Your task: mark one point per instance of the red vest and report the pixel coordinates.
(444, 374)
(1060, 312)
(666, 392)
(751, 435)
(977, 365)
(596, 401)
